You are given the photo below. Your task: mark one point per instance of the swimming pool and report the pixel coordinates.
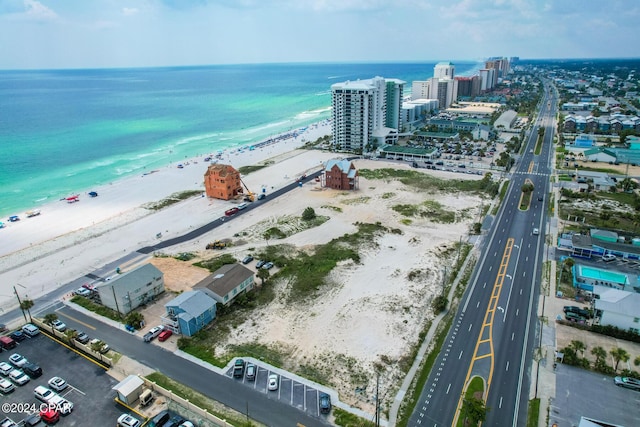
(604, 275)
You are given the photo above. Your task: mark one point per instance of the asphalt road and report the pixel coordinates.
(493, 332)
(262, 407)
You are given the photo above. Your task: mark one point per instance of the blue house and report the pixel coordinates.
(189, 312)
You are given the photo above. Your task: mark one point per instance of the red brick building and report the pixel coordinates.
(340, 175)
(222, 182)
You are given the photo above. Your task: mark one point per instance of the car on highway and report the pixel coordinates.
(57, 384)
(273, 382)
(59, 325)
(261, 196)
(6, 386)
(324, 401)
(17, 360)
(536, 231)
(19, 377)
(82, 337)
(627, 382)
(126, 420)
(231, 212)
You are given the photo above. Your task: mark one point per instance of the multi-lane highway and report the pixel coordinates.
(493, 332)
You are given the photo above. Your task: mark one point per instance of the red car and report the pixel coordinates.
(49, 415)
(164, 335)
(231, 211)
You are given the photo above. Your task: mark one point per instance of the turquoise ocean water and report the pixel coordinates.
(65, 131)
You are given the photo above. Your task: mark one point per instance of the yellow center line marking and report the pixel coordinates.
(486, 331)
(76, 320)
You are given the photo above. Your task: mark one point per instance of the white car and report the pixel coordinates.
(5, 368)
(17, 360)
(104, 347)
(59, 325)
(19, 377)
(83, 292)
(608, 257)
(62, 405)
(31, 330)
(126, 420)
(6, 386)
(273, 382)
(57, 383)
(42, 393)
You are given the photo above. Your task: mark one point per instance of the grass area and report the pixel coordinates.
(525, 200)
(533, 414)
(538, 148)
(347, 419)
(431, 209)
(172, 199)
(97, 308)
(475, 390)
(333, 208)
(212, 264)
(426, 182)
(200, 400)
(244, 170)
(503, 192)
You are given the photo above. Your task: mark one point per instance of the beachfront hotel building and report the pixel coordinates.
(366, 112)
(441, 86)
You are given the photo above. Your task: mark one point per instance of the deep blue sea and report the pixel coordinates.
(65, 131)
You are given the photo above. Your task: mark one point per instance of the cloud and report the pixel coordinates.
(37, 11)
(129, 11)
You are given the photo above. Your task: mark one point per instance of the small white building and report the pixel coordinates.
(619, 308)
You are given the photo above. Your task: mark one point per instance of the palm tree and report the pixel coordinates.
(71, 335)
(600, 355)
(27, 304)
(578, 346)
(49, 318)
(263, 275)
(619, 354)
(636, 361)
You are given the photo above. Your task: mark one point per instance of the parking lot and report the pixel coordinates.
(290, 391)
(89, 386)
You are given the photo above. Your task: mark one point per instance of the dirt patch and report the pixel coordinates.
(179, 275)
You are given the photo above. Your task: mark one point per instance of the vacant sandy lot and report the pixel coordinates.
(369, 313)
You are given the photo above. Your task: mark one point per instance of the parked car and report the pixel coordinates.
(58, 325)
(251, 372)
(627, 382)
(42, 393)
(577, 310)
(160, 419)
(325, 403)
(19, 377)
(5, 368)
(82, 338)
(608, 257)
(153, 333)
(238, 368)
(17, 360)
(247, 259)
(126, 420)
(14, 218)
(260, 263)
(8, 422)
(261, 196)
(49, 416)
(103, 346)
(83, 292)
(267, 266)
(61, 404)
(273, 382)
(32, 369)
(32, 420)
(164, 335)
(6, 386)
(31, 330)
(7, 343)
(57, 384)
(18, 336)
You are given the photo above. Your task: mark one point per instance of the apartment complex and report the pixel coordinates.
(365, 112)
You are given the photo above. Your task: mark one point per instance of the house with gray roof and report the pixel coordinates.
(618, 308)
(129, 290)
(189, 312)
(227, 282)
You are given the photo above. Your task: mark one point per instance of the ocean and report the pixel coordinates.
(64, 131)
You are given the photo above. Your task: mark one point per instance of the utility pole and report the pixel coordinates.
(20, 303)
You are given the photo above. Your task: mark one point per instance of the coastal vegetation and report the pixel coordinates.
(171, 200)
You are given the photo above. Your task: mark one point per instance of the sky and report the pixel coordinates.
(41, 34)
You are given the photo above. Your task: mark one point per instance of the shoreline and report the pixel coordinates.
(126, 194)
